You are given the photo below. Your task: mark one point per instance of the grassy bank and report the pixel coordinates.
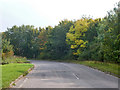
(12, 71)
(109, 68)
(102, 66)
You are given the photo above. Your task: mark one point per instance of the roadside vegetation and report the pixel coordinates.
(15, 59)
(12, 66)
(12, 71)
(84, 39)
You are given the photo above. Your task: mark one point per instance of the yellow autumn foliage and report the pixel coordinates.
(73, 46)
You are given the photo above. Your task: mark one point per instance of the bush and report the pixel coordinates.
(14, 59)
(7, 55)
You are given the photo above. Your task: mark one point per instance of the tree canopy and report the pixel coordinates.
(83, 39)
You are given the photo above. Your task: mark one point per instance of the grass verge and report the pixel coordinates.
(12, 71)
(109, 68)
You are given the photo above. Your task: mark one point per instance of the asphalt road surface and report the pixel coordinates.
(48, 74)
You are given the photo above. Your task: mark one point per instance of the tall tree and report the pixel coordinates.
(21, 38)
(56, 45)
(76, 34)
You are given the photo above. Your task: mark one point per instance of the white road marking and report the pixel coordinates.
(75, 76)
(23, 83)
(73, 73)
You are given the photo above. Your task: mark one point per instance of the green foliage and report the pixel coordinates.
(112, 36)
(108, 37)
(83, 39)
(103, 38)
(6, 47)
(23, 39)
(56, 46)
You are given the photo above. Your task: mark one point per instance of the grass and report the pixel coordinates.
(12, 71)
(109, 68)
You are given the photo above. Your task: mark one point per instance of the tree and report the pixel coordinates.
(112, 35)
(7, 49)
(22, 38)
(57, 47)
(90, 35)
(76, 34)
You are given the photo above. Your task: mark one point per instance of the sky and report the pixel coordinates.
(42, 13)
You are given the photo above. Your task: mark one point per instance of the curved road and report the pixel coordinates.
(47, 74)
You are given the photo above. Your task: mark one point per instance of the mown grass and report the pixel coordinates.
(12, 71)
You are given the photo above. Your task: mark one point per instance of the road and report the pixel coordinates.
(48, 74)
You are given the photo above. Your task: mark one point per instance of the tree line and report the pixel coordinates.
(83, 39)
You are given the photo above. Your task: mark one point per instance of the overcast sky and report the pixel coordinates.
(49, 12)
